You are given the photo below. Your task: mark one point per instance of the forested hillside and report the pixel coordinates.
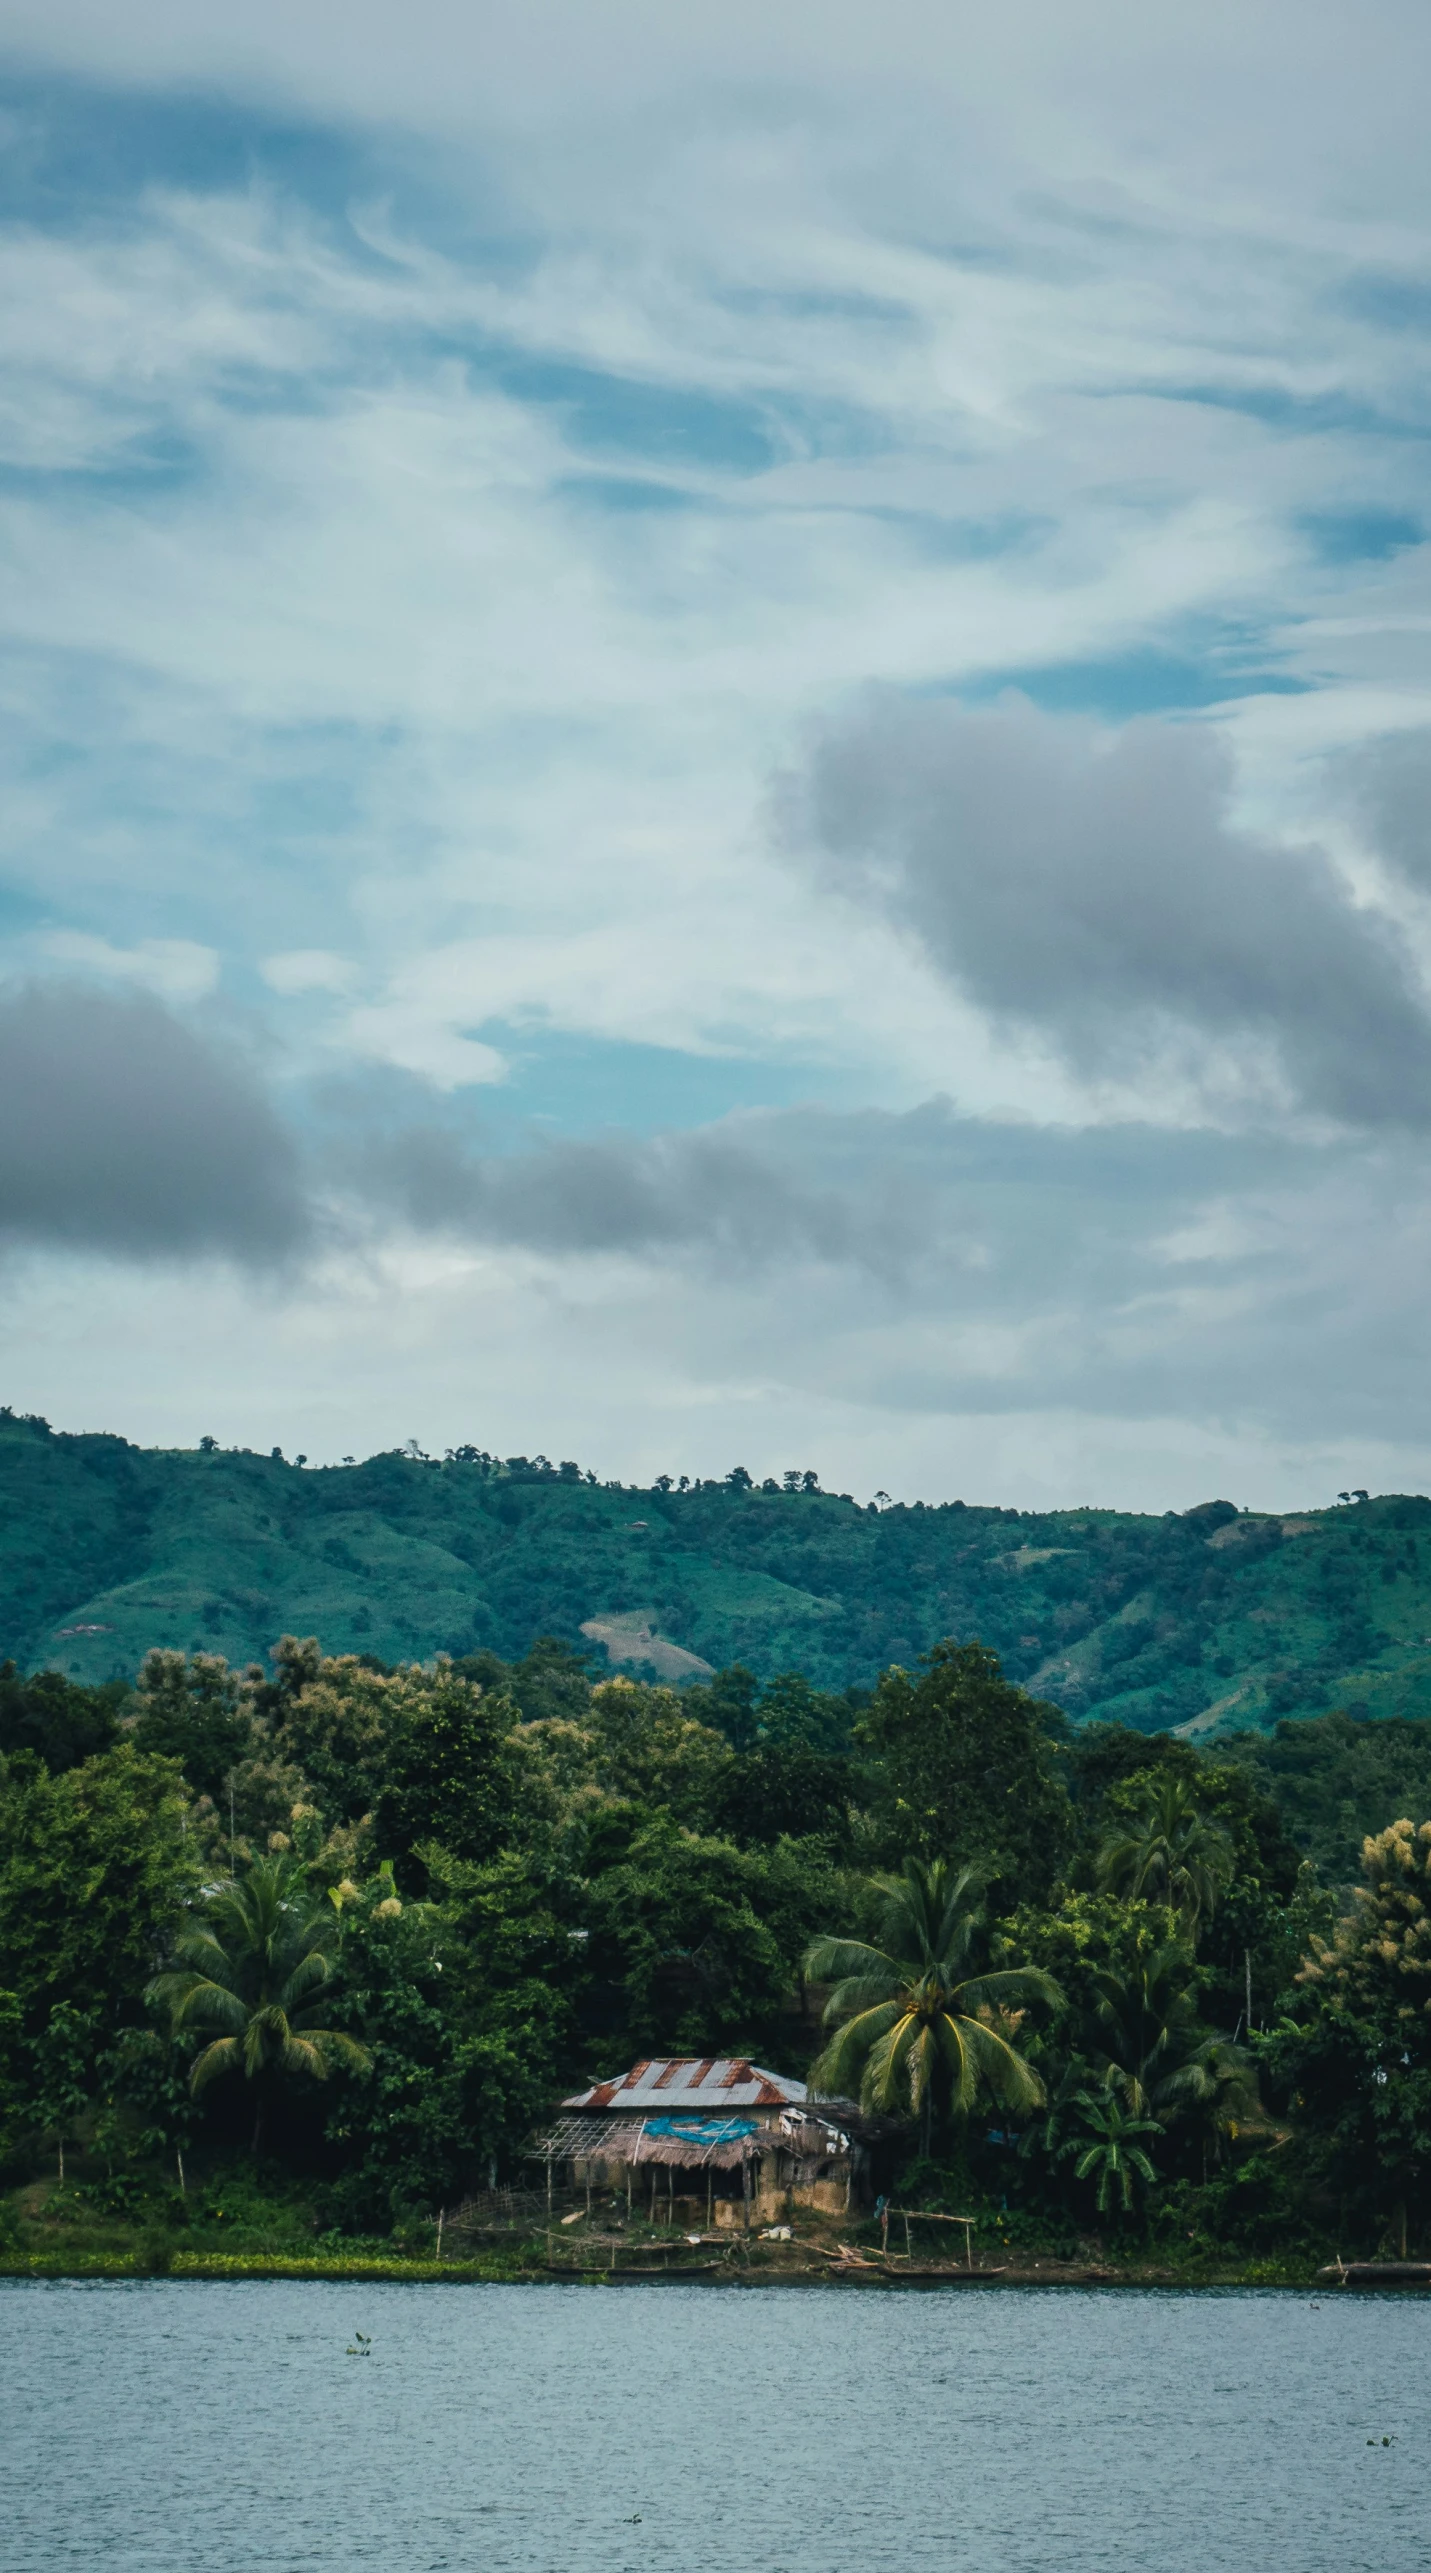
(1216, 1619)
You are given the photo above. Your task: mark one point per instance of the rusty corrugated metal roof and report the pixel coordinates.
(712, 2082)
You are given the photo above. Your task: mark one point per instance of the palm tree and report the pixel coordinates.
(1045, 2137)
(1169, 1852)
(1147, 2017)
(1106, 2147)
(916, 2016)
(252, 1968)
(1216, 2089)
(1157, 2053)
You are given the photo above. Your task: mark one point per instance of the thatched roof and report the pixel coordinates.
(719, 2144)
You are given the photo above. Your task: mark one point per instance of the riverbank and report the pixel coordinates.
(763, 2265)
(232, 2224)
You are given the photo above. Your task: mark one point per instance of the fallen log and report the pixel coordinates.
(1378, 2273)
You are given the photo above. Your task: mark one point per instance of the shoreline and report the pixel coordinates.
(221, 2267)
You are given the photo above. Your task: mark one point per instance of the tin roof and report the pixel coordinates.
(716, 2083)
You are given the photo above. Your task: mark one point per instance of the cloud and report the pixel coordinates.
(1094, 890)
(714, 1191)
(308, 969)
(1388, 783)
(124, 1131)
(341, 626)
(177, 969)
(933, 1207)
(929, 1266)
(1120, 1290)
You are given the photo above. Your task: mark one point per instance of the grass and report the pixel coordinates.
(230, 2227)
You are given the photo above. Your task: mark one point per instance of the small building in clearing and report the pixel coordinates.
(715, 2133)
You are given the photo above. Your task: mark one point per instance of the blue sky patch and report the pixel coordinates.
(584, 1084)
(1368, 535)
(1144, 681)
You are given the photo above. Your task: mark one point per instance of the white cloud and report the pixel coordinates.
(413, 587)
(177, 969)
(308, 969)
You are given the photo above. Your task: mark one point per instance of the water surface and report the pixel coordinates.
(172, 2427)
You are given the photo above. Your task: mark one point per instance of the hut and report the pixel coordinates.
(714, 2134)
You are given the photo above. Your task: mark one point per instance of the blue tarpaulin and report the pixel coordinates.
(703, 2130)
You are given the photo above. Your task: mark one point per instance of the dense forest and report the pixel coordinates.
(329, 1935)
(1213, 1619)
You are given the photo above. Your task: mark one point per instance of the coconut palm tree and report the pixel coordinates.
(1147, 2019)
(1215, 2090)
(252, 1968)
(1168, 1851)
(1158, 2055)
(1106, 2146)
(916, 2016)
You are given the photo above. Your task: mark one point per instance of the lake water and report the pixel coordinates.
(165, 2427)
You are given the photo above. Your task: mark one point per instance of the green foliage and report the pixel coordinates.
(1353, 2056)
(785, 1793)
(966, 1770)
(1163, 1848)
(17, 2090)
(531, 1871)
(1133, 2026)
(94, 1870)
(650, 1751)
(728, 1702)
(467, 2008)
(56, 1718)
(108, 1549)
(1336, 1778)
(702, 1939)
(188, 1709)
(63, 2054)
(446, 1777)
(922, 2020)
(1104, 2146)
(254, 1967)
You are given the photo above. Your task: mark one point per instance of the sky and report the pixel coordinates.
(716, 738)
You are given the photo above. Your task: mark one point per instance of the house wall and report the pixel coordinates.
(776, 2193)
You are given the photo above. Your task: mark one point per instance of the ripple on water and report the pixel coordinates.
(172, 2427)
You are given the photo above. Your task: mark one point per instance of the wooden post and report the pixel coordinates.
(628, 2192)
(549, 2187)
(908, 2242)
(179, 2158)
(884, 2227)
(441, 2212)
(968, 2246)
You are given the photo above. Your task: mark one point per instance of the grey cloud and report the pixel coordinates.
(1388, 783)
(123, 1131)
(1097, 891)
(713, 1190)
(991, 1214)
(925, 1262)
(931, 1263)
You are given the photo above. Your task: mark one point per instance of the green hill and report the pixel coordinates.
(1213, 1620)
